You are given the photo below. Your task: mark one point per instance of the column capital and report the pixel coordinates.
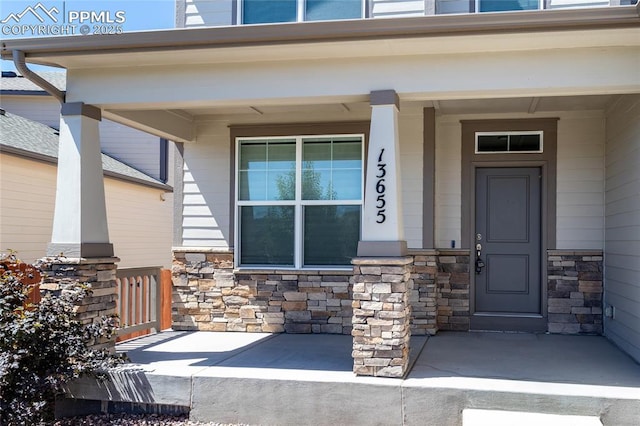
(384, 97)
(80, 108)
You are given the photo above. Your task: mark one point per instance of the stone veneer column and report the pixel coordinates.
(100, 274)
(381, 316)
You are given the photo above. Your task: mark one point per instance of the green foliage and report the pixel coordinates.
(43, 347)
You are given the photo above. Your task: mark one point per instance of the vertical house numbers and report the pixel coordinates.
(380, 189)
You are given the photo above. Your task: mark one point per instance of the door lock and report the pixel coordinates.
(479, 261)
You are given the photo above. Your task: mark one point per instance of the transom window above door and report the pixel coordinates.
(298, 200)
(509, 142)
(271, 11)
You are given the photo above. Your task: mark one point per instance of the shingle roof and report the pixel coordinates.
(14, 82)
(23, 136)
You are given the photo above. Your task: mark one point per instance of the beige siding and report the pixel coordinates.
(448, 200)
(27, 194)
(580, 199)
(140, 224)
(622, 224)
(207, 185)
(580, 185)
(411, 149)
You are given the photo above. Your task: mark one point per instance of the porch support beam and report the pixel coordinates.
(164, 124)
(382, 225)
(80, 217)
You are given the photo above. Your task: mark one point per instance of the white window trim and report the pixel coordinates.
(298, 203)
(300, 12)
(524, 132)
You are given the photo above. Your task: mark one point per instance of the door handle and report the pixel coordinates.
(479, 261)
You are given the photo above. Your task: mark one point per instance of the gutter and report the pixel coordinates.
(21, 65)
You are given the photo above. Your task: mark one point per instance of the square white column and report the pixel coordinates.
(80, 216)
(382, 224)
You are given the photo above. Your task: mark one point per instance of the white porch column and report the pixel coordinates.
(80, 217)
(382, 226)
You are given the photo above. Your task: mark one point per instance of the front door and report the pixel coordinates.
(507, 258)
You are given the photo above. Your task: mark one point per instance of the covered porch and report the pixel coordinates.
(454, 379)
(413, 90)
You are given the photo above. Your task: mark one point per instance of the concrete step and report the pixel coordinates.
(474, 417)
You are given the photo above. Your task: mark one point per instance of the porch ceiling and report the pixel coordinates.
(248, 114)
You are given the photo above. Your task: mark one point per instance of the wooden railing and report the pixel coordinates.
(144, 301)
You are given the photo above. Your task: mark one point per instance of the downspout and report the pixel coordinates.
(21, 66)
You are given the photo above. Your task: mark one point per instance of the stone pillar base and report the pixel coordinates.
(381, 316)
(100, 274)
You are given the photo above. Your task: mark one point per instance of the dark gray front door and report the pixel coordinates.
(508, 229)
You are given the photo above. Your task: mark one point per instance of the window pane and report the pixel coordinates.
(493, 143)
(504, 5)
(252, 186)
(266, 11)
(267, 170)
(321, 10)
(253, 156)
(347, 185)
(331, 234)
(347, 155)
(332, 169)
(266, 235)
(524, 143)
(316, 185)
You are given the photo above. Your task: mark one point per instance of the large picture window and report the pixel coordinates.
(299, 200)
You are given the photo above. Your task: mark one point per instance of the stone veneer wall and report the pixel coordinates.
(100, 274)
(208, 295)
(575, 291)
(440, 296)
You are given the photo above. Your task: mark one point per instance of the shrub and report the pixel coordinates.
(43, 346)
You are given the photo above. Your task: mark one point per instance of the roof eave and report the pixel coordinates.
(327, 31)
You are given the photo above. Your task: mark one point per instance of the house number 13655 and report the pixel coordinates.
(380, 189)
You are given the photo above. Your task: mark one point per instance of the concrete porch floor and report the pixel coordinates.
(286, 379)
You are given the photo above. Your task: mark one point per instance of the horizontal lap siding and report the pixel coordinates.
(133, 147)
(396, 8)
(207, 189)
(580, 208)
(622, 224)
(140, 224)
(448, 201)
(139, 221)
(27, 195)
(411, 148)
(209, 13)
(42, 109)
